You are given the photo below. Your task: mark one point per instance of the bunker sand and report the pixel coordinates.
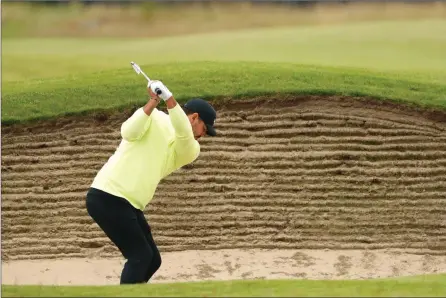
(286, 174)
(186, 266)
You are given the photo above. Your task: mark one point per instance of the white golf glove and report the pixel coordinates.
(157, 86)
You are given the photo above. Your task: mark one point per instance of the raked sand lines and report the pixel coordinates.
(310, 175)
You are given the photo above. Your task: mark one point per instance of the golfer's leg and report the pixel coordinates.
(118, 219)
(156, 260)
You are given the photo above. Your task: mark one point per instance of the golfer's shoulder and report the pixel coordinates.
(163, 123)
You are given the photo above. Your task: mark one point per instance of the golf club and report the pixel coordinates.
(139, 71)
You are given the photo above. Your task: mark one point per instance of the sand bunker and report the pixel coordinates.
(297, 174)
(229, 265)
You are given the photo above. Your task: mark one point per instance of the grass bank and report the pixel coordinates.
(120, 88)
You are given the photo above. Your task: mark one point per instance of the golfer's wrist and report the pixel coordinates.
(154, 100)
(171, 102)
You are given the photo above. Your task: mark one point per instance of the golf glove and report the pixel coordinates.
(157, 87)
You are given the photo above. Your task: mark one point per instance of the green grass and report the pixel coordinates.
(121, 88)
(402, 61)
(415, 46)
(432, 285)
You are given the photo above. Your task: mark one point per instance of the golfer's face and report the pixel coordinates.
(198, 126)
(201, 130)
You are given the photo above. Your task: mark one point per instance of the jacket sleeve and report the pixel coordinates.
(135, 126)
(186, 148)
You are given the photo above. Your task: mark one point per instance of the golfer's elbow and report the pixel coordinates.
(134, 128)
(186, 153)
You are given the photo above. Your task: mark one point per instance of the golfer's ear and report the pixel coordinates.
(194, 116)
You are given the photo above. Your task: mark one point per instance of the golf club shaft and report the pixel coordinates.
(139, 70)
(148, 80)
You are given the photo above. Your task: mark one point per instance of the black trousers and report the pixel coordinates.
(128, 229)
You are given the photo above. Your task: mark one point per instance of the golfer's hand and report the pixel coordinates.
(152, 94)
(157, 86)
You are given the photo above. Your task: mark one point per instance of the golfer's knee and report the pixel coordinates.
(144, 258)
(156, 262)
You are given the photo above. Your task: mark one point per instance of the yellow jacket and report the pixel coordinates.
(152, 147)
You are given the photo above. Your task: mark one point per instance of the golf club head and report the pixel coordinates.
(139, 71)
(136, 67)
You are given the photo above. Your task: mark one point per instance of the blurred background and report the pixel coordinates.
(88, 36)
(88, 18)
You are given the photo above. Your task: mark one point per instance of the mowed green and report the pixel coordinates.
(403, 61)
(415, 46)
(431, 285)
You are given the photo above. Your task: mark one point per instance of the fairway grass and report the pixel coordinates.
(430, 285)
(417, 47)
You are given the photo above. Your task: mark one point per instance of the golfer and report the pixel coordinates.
(154, 144)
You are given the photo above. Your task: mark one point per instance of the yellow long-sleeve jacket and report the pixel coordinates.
(152, 147)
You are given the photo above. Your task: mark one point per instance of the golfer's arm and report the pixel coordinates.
(185, 146)
(150, 106)
(134, 127)
(180, 122)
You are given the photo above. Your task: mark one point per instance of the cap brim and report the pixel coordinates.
(211, 130)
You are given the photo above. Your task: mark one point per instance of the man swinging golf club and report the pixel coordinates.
(154, 144)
